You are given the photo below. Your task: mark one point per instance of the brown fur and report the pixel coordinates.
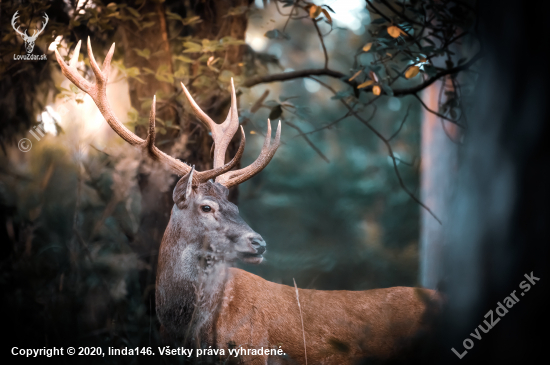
(340, 326)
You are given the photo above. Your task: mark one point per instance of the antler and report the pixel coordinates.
(222, 135)
(13, 19)
(37, 32)
(98, 93)
(236, 177)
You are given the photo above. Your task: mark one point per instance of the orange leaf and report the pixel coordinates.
(365, 84)
(327, 15)
(412, 72)
(376, 90)
(394, 31)
(314, 11)
(355, 75)
(367, 47)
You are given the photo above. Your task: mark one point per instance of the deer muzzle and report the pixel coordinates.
(255, 248)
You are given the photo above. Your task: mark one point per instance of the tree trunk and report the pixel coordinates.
(438, 174)
(500, 213)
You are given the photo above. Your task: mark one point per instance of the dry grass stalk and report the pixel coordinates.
(301, 318)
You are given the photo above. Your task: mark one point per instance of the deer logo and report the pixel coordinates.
(29, 40)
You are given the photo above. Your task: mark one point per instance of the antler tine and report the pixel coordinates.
(98, 90)
(74, 59)
(179, 167)
(233, 178)
(101, 77)
(217, 171)
(205, 119)
(175, 165)
(72, 74)
(221, 133)
(267, 139)
(107, 60)
(228, 129)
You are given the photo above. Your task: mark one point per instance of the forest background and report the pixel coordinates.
(371, 96)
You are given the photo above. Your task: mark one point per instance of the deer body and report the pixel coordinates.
(340, 326)
(201, 299)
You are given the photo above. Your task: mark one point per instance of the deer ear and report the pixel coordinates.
(183, 189)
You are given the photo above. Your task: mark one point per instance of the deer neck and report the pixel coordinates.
(189, 285)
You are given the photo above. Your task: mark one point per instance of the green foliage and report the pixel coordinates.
(72, 267)
(184, 21)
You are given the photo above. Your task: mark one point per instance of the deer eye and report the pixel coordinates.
(206, 208)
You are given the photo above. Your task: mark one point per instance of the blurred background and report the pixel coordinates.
(375, 184)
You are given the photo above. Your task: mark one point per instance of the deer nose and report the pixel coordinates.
(259, 244)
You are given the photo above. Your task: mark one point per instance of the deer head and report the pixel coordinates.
(29, 40)
(200, 204)
(211, 224)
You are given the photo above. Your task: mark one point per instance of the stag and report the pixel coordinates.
(200, 296)
(29, 40)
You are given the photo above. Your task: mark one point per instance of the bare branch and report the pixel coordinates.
(322, 42)
(308, 141)
(258, 104)
(401, 125)
(388, 19)
(289, 15)
(328, 126)
(285, 76)
(390, 151)
(428, 82)
(402, 14)
(438, 114)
